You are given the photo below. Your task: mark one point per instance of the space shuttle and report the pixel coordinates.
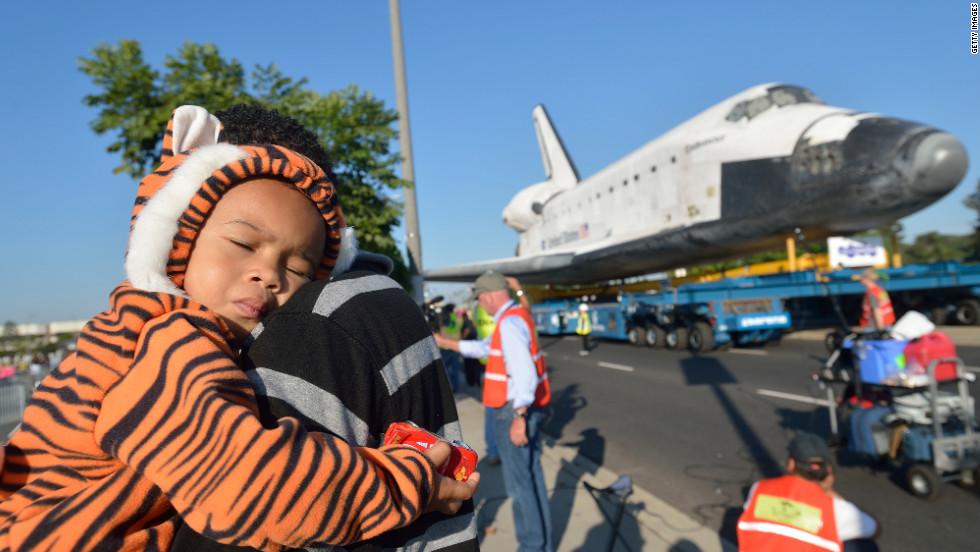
(739, 178)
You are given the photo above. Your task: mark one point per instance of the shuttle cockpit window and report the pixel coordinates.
(780, 96)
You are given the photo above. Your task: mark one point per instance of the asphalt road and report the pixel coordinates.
(698, 430)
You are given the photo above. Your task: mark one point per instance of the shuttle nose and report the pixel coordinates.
(939, 163)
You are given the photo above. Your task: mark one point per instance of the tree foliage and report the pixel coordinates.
(933, 247)
(973, 248)
(135, 102)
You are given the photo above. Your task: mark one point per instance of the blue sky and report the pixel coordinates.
(613, 75)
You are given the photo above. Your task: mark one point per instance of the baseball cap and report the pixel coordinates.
(810, 452)
(489, 281)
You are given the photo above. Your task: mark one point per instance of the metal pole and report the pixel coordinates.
(412, 239)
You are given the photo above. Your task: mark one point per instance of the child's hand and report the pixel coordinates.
(447, 493)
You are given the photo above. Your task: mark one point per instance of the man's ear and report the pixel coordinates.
(791, 465)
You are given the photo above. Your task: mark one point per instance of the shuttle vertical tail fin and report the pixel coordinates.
(557, 166)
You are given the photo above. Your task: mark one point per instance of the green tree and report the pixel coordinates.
(135, 101)
(973, 245)
(933, 247)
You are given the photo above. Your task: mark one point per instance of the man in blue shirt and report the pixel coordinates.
(516, 389)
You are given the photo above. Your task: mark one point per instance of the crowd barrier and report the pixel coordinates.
(13, 398)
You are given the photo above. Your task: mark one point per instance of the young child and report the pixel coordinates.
(348, 356)
(152, 420)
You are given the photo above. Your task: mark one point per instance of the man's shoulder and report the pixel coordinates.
(516, 315)
(357, 285)
(844, 507)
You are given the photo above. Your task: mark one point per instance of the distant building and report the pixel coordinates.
(51, 328)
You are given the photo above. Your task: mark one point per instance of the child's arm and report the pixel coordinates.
(185, 417)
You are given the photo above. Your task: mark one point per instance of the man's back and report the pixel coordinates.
(349, 356)
(788, 513)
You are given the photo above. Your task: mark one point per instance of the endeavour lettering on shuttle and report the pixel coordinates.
(691, 147)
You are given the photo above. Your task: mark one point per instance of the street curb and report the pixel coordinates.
(669, 524)
(962, 336)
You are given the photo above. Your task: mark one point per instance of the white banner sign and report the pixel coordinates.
(856, 252)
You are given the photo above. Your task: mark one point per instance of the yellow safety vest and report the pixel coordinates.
(452, 327)
(584, 323)
(484, 326)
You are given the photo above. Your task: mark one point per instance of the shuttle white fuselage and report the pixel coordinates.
(737, 178)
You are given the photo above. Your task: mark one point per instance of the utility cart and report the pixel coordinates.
(891, 409)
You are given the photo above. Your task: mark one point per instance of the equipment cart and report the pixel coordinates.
(914, 421)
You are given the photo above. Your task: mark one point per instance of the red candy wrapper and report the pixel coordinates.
(462, 459)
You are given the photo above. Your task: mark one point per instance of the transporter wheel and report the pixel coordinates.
(701, 338)
(967, 312)
(656, 337)
(938, 315)
(677, 337)
(923, 481)
(636, 335)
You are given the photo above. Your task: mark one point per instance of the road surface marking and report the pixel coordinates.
(747, 351)
(616, 366)
(789, 396)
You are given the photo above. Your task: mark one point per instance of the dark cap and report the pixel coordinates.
(810, 452)
(489, 281)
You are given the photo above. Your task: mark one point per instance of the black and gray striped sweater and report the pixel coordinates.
(349, 356)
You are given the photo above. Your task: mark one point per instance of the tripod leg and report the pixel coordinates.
(615, 525)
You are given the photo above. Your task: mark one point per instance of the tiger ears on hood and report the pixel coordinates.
(191, 126)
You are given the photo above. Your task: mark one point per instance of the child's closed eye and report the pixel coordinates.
(243, 245)
(301, 273)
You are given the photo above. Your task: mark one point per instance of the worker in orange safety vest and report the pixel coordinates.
(801, 511)
(516, 390)
(876, 309)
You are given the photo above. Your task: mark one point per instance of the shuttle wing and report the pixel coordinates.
(537, 269)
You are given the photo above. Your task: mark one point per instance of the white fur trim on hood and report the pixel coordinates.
(153, 232)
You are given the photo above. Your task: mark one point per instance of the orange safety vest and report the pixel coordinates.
(495, 380)
(884, 303)
(788, 513)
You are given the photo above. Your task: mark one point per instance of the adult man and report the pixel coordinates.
(484, 329)
(876, 308)
(584, 327)
(516, 389)
(802, 511)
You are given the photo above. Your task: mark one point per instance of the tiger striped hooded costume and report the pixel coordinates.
(152, 420)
